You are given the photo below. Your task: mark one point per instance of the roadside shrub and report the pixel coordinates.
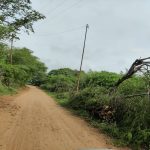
(131, 86)
(131, 117)
(61, 80)
(116, 112)
(60, 83)
(26, 68)
(127, 119)
(103, 79)
(13, 75)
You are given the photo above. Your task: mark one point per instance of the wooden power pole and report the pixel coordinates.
(11, 48)
(78, 82)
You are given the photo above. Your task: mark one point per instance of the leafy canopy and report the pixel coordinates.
(16, 15)
(26, 67)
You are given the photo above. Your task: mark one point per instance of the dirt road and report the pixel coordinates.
(33, 121)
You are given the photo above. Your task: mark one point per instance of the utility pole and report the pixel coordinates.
(148, 85)
(11, 48)
(78, 82)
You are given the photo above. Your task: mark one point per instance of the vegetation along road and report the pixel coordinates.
(33, 121)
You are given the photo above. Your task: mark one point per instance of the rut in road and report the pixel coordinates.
(40, 124)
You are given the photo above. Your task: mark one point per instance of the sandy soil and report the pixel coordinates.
(33, 121)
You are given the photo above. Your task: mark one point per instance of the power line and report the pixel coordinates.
(63, 32)
(57, 6)
(63, 11)
(44, 5)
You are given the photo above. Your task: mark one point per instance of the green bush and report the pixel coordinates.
(134, 85)
(104, 79)
(127, 119)
(6, 90)
(61, 80)
(25, 68)
(13, 75)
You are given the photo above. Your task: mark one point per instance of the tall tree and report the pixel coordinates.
(16, 15)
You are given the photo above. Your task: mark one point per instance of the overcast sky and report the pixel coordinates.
(119, 33)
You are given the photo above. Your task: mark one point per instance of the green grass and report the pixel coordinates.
(7, 90)
(60, 98)
(4, 90)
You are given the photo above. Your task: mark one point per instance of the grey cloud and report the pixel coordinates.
(119, 33)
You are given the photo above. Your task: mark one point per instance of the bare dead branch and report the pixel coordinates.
(138, 65)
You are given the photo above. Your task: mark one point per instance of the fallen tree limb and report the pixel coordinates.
(137, 65)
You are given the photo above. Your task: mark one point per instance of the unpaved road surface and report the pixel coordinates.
(33, 121)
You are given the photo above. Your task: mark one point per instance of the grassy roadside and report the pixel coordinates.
(4, 90)
(108, 129)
